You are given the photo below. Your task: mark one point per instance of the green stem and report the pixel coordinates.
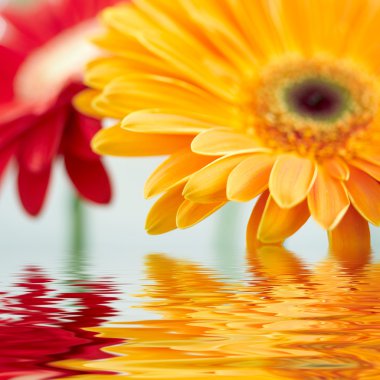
(78, 235)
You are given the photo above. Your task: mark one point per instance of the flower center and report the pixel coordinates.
(317, 99)
(313, 106)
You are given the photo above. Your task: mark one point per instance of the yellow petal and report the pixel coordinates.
(173, 170)
(125, 19)
(170, 41)
(277, 224)
(113, 41)
(254, 222)
(136, 57)
(191, 213)
(137, 92)
(371, 153)
(164, 121)
(249, 178)
(337, 168)
(208, 185)
(221, 29)
(223, 141)
(291, 179)
(350, 240)
(162, 216)
(364, 193)
(116, 141)
(83, 102)
(328, 200)
(103, 70)
(259, 26)
(370, 168)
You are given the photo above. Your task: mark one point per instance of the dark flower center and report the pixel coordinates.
(317, 99)
(315, 107)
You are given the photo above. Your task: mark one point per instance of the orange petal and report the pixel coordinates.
(250, 178)
(180, 49)
(291, 180)
(162, 216)
(364, 193)
(136, 58)
(223, 141)
(208, 185)
(102, 71)
(254, 222)
(337, 168)
(173, 170)
(350, 240)
(256, 21)
(224, 32)
(370, 168)
(328, 200)
(116, 141)
(136, 92)
(83, 103)
(371, 153)
(190, 213)
(277, 224)
(165, 122)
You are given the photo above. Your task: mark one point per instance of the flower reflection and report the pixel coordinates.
(41, 325)
(287, 320)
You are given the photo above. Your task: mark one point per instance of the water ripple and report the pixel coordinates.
(41, 323)
(288, 321)
(283, 320)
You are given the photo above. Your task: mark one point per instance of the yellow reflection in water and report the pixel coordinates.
(286, 321)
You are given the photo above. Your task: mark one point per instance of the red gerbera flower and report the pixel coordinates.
(42, 51)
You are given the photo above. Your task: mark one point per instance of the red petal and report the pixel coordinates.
(15, 119)
(90, 178)
(10, 62)
(42, 20)
(32, 188)
(37, 22)
(40, 144)
(78, 136)
(29, 26)
(5, 156)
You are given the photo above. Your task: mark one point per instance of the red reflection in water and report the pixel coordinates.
(41, 324)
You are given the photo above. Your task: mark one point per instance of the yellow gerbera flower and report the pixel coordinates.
(246, 96)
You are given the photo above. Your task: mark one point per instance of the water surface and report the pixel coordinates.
(273, 317)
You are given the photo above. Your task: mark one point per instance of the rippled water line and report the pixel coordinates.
(43, 321)
(289, 321)
(283, 319)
